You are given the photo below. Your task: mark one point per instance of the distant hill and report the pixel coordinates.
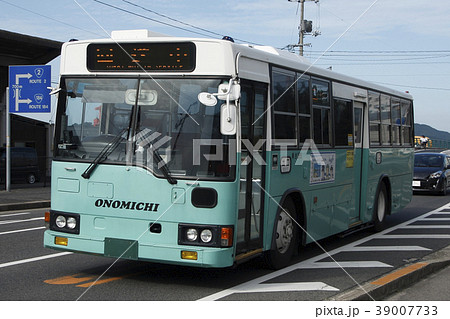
(428, 131)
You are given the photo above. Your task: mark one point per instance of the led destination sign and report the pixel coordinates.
(137, 57)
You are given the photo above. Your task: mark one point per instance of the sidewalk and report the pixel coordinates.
(25, 197)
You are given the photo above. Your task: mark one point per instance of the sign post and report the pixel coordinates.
(27, 93)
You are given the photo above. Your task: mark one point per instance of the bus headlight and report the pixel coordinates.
(191, 234)
(206, 235)
(64, 222)
(71, 223)
(60, 221)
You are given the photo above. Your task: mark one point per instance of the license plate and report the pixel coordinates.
(127, 249)
(416, 183)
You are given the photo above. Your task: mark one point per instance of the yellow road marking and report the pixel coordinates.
(397, 274)
(99, 282)
(68, 280)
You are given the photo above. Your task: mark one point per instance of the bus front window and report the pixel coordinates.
(164, 117)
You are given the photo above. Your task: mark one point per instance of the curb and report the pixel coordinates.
(25, 205)
(380, 288)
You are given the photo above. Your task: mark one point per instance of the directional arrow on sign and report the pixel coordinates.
(18, 100)
(19, 76)
(28, 88)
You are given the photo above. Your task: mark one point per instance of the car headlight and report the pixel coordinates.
(60, 221)
(436, 174)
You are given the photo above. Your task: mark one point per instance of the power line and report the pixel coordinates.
(201, 31)
(47, 17)
(414, 87)
(172, 19)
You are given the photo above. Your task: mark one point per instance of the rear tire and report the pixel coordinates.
(380, 208)
(285, 241)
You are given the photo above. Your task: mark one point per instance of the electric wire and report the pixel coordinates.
(202, 31)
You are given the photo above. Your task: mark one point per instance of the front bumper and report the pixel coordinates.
(109, 247)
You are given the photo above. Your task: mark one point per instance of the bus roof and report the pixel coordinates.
(267, 54)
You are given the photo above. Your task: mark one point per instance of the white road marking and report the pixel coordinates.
(312, 262)
(17, 214)
(426, 236)
(290, 286)
(21, 230)
(20, 221)
(386, 248)
(345, 264)
(426, 226)
(29, 260)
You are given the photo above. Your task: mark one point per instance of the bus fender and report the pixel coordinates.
(299, 200)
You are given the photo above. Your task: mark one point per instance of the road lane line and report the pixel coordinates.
(386, 248)
(427, 226)
(102, 281)
(20, 221)
(313, 261)
(21, 230)
(68, 280)
(427, 236)
(345, 264)
(285, 287)
(397, 274)
(17, 214)
(29, 260)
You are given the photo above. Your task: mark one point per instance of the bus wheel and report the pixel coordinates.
(285, 240)
(380, 208)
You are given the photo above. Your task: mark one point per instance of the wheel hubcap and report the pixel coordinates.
(285, 232)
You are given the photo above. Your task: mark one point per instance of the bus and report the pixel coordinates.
(208, 153)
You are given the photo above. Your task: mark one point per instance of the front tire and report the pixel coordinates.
(285, 241)
(444, 187)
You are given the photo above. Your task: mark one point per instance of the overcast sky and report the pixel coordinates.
(402, 44)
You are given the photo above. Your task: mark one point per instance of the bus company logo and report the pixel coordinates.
(129, 205)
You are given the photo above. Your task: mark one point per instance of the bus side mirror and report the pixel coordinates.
(228, 119)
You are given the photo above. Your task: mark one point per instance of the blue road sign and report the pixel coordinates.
(28, 91)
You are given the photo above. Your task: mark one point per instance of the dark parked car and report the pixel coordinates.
(431, 172)
(24, 164)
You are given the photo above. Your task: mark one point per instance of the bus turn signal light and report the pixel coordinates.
(47, 219)
(226, 237)
(63, 241)
(192, 255)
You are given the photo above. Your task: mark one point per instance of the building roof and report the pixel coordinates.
(19, 49)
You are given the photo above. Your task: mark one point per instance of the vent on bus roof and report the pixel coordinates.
(134, 34)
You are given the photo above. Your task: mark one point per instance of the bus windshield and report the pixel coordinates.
(134, 118)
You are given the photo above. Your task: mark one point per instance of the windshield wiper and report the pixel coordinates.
(103, 155)
(164, 168)
(144, 139)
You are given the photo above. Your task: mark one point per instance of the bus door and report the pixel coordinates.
(358, 114)
(252, 165)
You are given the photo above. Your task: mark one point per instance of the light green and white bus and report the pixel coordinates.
(208, 153)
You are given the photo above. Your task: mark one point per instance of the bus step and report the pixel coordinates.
(356, 227)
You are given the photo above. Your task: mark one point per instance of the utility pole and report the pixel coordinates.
(305, 25)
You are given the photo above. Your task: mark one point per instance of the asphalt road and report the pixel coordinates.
(30, 272)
